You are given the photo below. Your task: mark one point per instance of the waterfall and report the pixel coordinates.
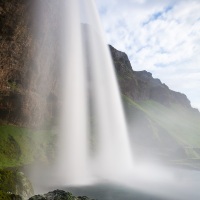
(93, 140)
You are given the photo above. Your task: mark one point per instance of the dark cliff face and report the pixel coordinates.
(140, 85)
(19, 72)
(14, 43)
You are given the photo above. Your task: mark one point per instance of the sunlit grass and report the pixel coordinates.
(172, 122)
(181, 123)
(21, 146)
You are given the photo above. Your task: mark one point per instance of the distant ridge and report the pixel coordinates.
(140, 85)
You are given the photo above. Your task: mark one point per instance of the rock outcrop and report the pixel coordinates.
(14, 185)
(140, 85)
(19, 73)
(58, 195)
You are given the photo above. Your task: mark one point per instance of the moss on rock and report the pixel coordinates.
(14, 184)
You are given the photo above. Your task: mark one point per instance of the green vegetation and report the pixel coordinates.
(13, 86)
(14, 185)
(8, 181)
(173, 131)
(7, 196)
(20, 146)
(179, 122)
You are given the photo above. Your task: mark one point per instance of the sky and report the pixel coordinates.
(160, 36)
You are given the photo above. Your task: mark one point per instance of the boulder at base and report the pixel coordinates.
(58, 195)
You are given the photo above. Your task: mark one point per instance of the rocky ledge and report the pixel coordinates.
(58, 195)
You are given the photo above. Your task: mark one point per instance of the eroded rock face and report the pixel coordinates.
(21, 69)
(15, 41)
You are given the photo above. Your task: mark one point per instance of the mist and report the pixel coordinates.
(103, 137)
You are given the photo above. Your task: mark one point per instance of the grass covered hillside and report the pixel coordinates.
(167, 133)
(171, 134)
(162, 124)
(20, 146)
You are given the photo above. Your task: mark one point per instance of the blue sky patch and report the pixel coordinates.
(157, 15)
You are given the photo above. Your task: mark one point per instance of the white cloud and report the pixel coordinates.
(162, 37)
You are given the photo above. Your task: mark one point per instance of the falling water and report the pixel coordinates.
(93, 140)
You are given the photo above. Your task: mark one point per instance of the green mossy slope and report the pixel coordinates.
(20, 146)
(171, 133)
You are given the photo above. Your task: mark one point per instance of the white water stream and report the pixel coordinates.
(92, 109)
(93, 141)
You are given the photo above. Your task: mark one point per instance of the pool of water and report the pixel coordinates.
(183, 185)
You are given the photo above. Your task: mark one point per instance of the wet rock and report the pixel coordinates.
(83, 198)
(24, 189)
(58, 195)
(9, 196)
(37, 197)
(14, 185)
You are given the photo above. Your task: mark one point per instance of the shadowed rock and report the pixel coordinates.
(140, 85)
(58, 195)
